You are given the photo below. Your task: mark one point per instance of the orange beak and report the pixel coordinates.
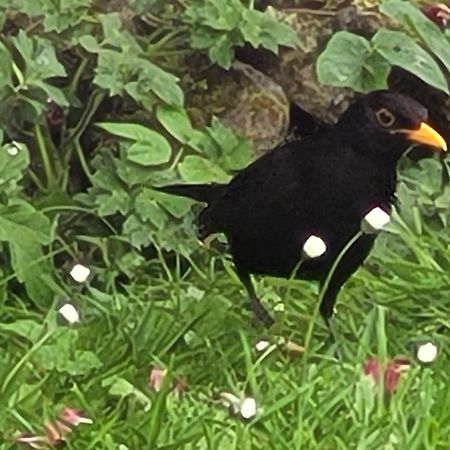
(427, 136)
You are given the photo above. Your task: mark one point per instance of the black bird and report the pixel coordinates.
(320, 185)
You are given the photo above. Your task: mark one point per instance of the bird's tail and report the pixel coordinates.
(200, 192)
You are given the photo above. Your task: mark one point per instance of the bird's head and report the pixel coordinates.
(389, 123)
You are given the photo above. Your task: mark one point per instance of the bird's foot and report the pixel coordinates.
(261, 313)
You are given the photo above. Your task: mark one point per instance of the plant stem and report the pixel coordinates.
(44, 155)
(325, 287)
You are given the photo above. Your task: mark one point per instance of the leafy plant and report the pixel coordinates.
(353, 61)
(219, 26)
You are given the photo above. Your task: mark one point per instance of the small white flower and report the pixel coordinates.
(70, 313)
(279, 307)
(80, 273)
(248, 408)
(427, 353)
(262, 345)
(314, 247)
(375, 220)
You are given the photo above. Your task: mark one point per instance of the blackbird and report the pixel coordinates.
(323, 185)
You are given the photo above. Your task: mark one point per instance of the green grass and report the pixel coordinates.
(195, 325)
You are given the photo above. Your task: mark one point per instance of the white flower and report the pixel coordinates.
(248, 408)
(262, 345)
(375, 220)
(70, 313)
(314, 247)
(80, 273)
(427, 353)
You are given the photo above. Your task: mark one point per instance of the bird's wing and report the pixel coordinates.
(267, 193)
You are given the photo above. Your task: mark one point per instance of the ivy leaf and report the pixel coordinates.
(408, 14)
(162, 83)
(195, 169)
(111, 203)
(27, 230)
(400, 49)
(53, 93)
(137, 231)
(39, 56)
(178, 207)
(150, 148)
(176, 121)
(235, 151)
(64, 356)
(149, 210)
(25, 328)
(222, 51)
(120, 387)
(131, 131)
(14, 159)
(344, 60)
(261, 29)
(5, 67)
(115, 35)
(223, 15)
(150, 153)
(220, 25)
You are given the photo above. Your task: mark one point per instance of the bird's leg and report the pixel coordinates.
(254, 302)
(326, 308)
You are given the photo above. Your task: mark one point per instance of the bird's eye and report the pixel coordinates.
(385, 117)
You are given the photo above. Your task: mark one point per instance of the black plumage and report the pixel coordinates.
(321, 185)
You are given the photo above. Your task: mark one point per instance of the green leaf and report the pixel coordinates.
(120, 387)
(131, 131)
(39, 56)
(137, 231)
(400, 49)
(222, 52)
(116, 201)
(115, 35)
(89, 43)
(150, 153)
(82, 363)
(195, 169)
(151, 147)
(28, 329)
(64, 356)
(220, 25)
(5, 67)
(223, 15)
(343, 61)
(26, 230)
(176, 206)
(410, 15)
(53, 93)
(175, 121)
(262, 29)
(149, 210)
(162, 83)
(14, 159)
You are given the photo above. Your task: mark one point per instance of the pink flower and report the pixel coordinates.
(56, 432)
(73, 416)
(156, 378)
(439, 14)
(157, 375)
(388, 372)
